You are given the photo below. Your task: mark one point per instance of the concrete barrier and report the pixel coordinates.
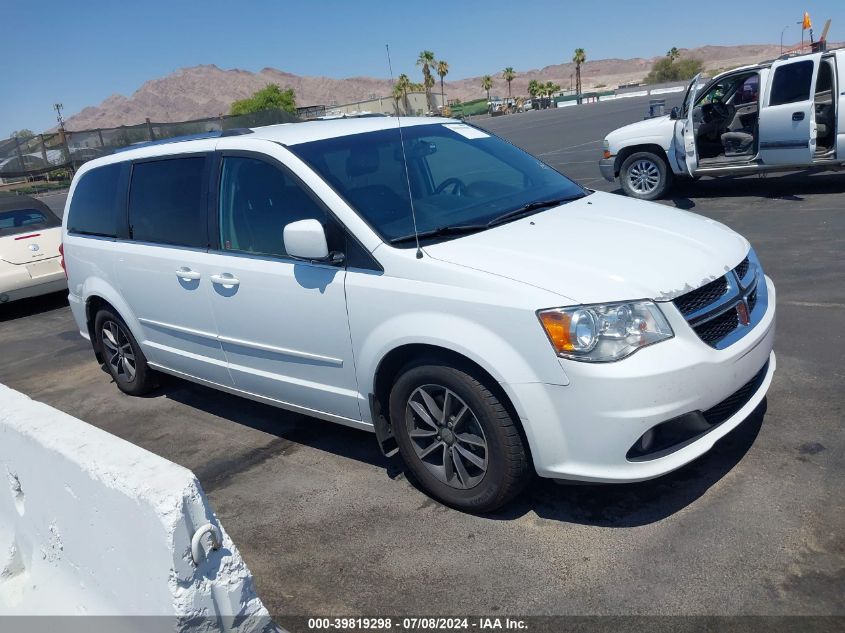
(91, 524)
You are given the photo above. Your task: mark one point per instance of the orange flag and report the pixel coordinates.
(807, 24)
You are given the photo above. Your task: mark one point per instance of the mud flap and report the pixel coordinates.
(384, 434)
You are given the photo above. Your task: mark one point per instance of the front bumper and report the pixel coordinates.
(584, 430)
(607, 166)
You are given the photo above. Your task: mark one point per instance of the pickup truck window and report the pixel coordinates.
(791, 83)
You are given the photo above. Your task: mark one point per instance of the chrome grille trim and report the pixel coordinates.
(745, 293)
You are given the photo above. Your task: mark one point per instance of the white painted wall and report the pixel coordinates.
(91, 524)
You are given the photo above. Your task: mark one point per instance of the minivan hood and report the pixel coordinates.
(603, 248)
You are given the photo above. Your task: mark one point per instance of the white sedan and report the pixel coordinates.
(30, 249)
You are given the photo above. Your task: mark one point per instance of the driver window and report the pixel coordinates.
(480, 171)
(257, 200)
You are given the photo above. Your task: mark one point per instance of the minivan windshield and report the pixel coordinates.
(461, 179)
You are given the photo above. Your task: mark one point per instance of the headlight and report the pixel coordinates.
(602, 333)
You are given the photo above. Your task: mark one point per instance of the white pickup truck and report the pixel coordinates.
(776, 116)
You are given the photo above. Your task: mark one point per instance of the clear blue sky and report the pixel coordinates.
(79, 53)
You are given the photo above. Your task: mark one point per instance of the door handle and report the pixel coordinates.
(797, 116)
(187, 274)
(225, 279)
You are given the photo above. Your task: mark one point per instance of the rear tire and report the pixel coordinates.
(645, 176)
(122, 356)
(469, 454)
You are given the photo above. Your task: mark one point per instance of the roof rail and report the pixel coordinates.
(237, 131)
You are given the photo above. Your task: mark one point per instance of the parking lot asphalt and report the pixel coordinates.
(328, 526)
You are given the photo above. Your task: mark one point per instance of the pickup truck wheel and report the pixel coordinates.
(645, 175)
(457, 438)
(122, 356)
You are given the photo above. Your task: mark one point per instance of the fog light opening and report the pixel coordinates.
(646, 440)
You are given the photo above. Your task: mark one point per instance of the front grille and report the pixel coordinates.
(742, 269)
(702, 297)
(714, 330)
(752, 300)
(738, 399)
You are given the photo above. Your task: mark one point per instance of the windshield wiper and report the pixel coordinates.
(530, 207)
(441, 231)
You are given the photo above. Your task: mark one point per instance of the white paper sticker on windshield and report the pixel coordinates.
(466, 131)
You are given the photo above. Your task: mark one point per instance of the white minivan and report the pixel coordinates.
(478, 311)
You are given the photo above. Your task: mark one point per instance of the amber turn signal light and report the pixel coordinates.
(557, 326)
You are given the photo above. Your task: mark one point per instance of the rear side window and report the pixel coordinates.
(17, 221)
(791, 83)
(167, 202)
(98, 199)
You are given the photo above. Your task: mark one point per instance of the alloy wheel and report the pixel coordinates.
(447, 436)
(118, 351)
(644, 176)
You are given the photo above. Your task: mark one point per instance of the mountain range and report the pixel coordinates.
(207, 90)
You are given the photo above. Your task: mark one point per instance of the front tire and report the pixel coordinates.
(645, 175)
(457, 438)
(122, 356)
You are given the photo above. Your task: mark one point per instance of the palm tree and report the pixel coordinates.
(486, 84)
(579, 58)
(550, 88)
(673, 54)
(400, 90)
(426, 60)
(442, 70)
(508, 74)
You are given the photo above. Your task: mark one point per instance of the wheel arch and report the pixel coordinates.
(392, 364)
(98, 296)
(652, 148)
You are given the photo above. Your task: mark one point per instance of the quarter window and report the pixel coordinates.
(97, 201)
(257, 201)
(166, 202)
(791, 83)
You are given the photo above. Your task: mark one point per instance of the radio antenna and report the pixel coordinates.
(404, 156)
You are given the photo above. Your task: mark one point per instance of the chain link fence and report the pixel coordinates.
(39, 155)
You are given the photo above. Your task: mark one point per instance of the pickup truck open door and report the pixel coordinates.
(787, 118)
(688, 128)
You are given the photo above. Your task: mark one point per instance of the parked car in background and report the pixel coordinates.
(436, 286)
(774, 116)
(30, 257)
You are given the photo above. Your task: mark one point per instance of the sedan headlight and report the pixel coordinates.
(603, 333)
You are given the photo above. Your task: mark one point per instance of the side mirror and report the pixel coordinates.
(306, 239)
(675, 113)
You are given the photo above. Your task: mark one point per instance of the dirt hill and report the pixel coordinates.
(201, 91)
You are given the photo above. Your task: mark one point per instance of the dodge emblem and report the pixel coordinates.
(742, 313)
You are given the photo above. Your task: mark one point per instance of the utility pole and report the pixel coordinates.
(781, 38)
(58, 107)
